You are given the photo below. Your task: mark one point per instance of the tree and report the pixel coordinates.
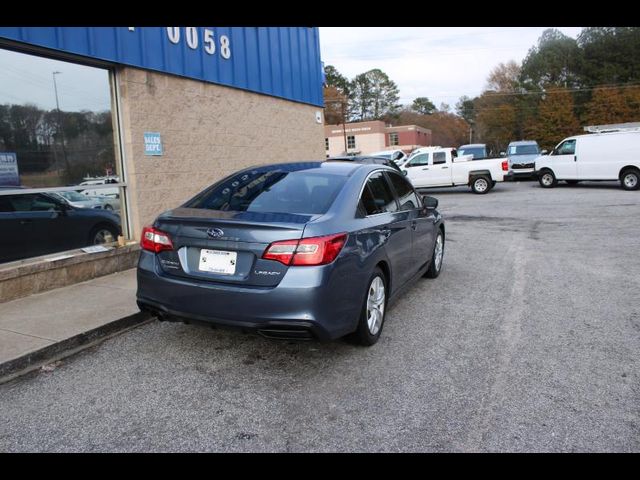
(504, 77)
(465, 109)
(372, 95)
(554, 62)
(423, 105)
(496, 120)
(444, 107)
(447, 129)
(612, 105)
(335, 104)
(556, 119)
(611, 55)
(333, 78)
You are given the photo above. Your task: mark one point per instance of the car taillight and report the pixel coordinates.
(505, 165)
(306, 251)
(155, 240)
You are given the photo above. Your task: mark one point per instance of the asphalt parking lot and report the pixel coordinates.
(528, 341)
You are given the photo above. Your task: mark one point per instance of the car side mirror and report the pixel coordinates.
(404, 172)
(503, 154)
(544, 152)
(429, 202)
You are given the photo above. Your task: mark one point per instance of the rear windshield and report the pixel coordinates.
(272, 191)
(523, 150)
(477, 152)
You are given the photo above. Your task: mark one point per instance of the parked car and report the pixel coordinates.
(36, 224)
(442, 167)
(366, 159)
(113, 193)
(522, 156)
(479, 151)
(86, 201)
(78, 200)
(594, 156)
(397, 156)
(297, 250)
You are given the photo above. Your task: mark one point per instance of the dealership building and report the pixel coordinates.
(361, 138)
(138, 120)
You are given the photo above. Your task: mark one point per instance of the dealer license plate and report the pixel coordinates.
(218, 261)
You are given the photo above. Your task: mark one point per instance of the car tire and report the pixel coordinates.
(369, 328)
(547, 179)
(435, 267)
(481, 184)
(101, 233)
(630, 179)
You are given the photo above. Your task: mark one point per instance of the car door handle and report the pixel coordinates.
(25, 222)
(444, 167)
(426, 168)
(575, 158)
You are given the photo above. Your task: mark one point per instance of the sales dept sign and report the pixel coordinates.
(152, 143)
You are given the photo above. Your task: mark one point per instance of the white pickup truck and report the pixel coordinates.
(442, 167)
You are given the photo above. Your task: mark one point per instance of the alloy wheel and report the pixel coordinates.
(375, 305)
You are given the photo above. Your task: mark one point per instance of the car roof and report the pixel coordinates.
(524, 142)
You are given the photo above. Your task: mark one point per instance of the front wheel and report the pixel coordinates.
(481, 184)
(547, 179)
(630, 180)
(372, 316)
(436, 259)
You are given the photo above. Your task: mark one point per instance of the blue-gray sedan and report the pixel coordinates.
(294, 250)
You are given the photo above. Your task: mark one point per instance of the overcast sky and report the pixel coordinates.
(28, 79)
(441, 63)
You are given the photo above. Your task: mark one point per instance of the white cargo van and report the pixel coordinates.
(596, 156)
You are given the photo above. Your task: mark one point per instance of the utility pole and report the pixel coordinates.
(64, 150)
(344, 127)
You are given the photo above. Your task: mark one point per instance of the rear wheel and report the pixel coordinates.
(547, 179)
(630, 179)
(372, 316)
(481, 184)
(436, 259)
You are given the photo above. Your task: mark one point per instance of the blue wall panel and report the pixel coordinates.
(279, 61)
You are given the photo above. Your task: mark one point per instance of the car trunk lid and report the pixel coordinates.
(226, 247)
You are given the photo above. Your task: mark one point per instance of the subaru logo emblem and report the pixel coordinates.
(215, 232)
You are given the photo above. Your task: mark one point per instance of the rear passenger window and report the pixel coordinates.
(439, 157)
(406, 195)
(377, 197)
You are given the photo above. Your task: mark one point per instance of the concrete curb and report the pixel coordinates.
(70, 346)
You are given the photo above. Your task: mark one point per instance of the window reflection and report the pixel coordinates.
(56, 130)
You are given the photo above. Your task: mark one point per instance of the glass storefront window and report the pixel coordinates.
(60, 181)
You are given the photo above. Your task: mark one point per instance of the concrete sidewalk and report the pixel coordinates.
(44, 327)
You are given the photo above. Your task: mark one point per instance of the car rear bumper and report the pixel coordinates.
(309, 302)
